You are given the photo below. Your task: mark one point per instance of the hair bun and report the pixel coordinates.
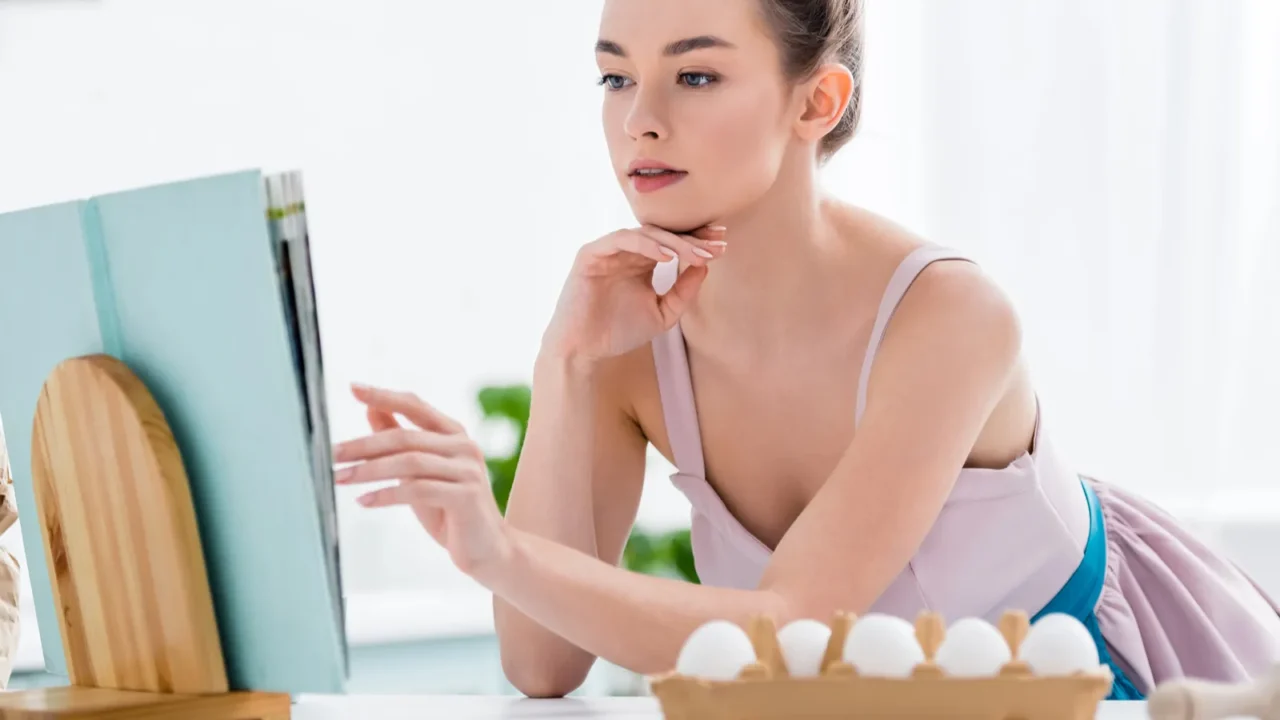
(813, 32)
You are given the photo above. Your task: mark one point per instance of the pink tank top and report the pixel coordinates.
(1021, 529)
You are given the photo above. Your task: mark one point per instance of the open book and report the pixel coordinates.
(204, 289)
(286, 209)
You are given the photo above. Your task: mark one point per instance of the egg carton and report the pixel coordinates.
(764, 690)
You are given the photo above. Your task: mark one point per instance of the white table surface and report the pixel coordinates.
(477, 707)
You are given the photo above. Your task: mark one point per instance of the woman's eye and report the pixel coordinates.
(614, 82)
(697, 80)
(692, 79)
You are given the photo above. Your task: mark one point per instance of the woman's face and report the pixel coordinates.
(693, 88)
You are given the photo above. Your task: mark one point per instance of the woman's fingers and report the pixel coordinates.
(404, 466)
(673, 303)
(408, 405)
(400, 439)
(380, 420)
(658, 245)
(693, 250)
(419, 492)
(711, 234)
(629, 241)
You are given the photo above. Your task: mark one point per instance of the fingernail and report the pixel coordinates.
(717, 228)
(360, 387)
(365, 500)
(669, 252)
(342, 475)
(702, 253)
(717, 243)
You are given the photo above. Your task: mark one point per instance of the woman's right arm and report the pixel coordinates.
(581, 469)
(578, 483)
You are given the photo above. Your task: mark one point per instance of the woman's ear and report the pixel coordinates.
(825, 98)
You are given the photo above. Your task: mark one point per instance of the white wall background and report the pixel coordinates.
(1115, 164)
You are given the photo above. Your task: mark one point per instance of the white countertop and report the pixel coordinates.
(477, 707)
(472, 707)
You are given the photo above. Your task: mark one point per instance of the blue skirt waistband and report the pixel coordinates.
(1079, 596)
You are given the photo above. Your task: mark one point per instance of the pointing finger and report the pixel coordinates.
(413, 408)
(399, 439)
(379, 420)
(403, 466)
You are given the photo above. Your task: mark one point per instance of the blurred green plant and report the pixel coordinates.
(668, 554)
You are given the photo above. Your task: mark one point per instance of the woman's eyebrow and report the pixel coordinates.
(679, 47)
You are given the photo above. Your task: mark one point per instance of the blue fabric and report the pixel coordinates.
(1079, 596)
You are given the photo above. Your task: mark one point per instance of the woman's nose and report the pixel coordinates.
(647, 118)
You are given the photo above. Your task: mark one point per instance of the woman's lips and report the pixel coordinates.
(650, 175)
(647, 181)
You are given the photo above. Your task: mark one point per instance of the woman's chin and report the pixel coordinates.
(675, 220)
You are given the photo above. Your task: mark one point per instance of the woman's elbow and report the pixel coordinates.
(541, 679)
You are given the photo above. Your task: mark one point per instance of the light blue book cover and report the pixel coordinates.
(187, 284)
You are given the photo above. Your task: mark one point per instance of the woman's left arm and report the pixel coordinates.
(944, 364)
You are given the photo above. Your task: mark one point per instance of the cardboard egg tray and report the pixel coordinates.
(764, 690)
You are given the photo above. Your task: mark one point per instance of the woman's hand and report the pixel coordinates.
(439, 472)
(608, 305)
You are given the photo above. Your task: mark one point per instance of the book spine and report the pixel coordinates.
(104, 294)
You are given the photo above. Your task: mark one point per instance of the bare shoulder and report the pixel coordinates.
(958, 298)
(954, 343)
(949, 301)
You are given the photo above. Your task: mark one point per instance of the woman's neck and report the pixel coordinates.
(785, 259)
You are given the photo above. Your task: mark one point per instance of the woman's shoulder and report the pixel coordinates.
(955, 294)
(926, 283)
(943, 318)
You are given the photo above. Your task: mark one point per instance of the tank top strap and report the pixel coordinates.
(679, 411)
(906, 273)
(675, 388)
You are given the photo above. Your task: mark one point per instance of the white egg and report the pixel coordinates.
(1058, 644)
(883, 646)
(717, 650)
(972, 648)
(803, 643)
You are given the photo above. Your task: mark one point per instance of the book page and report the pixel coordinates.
(287, 213)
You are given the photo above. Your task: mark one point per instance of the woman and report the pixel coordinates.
(846, 404)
